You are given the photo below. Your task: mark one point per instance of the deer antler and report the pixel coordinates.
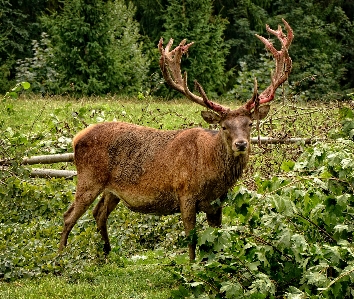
(170, 65)
(283, 63)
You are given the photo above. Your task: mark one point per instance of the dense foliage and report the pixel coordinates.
(100, 47)
(291, 237)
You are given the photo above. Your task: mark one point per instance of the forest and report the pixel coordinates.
(96, 47)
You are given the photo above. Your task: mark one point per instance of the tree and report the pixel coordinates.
(319, 67)
(96, 47)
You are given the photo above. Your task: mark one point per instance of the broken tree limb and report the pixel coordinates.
(47, 173)
(43, 159)
(48, 159)
(267, 140)
(52, 173)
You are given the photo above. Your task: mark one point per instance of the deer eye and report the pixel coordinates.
(250, 124)
(223, 127)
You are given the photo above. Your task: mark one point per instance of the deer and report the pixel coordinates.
(171, 171)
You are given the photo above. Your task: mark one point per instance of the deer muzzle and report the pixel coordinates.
(240, 146)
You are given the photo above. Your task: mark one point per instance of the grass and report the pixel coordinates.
(142, 278)
(34, 125)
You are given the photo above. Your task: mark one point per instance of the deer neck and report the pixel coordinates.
(231, 166)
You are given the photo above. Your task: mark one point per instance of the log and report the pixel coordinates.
(47, 173)
(267, 140)
(48, 159)
(52, 173)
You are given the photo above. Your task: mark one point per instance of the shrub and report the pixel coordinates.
(39, 70)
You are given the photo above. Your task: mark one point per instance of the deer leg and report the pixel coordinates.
(84, 197)
(214, 220)
(214, 217)
(101, 213)
(188, 211)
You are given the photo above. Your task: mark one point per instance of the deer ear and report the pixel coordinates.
(211, 117)
(262, 112)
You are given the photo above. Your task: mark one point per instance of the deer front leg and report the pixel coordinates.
(188, 212)
(214, 217)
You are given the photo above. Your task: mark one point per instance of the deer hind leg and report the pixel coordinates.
(84, 197)
(101, 212)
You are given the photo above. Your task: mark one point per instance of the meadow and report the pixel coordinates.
(149, 253)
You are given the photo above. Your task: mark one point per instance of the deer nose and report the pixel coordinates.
(241, 145)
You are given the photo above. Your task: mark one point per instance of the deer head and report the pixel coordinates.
(235, 124)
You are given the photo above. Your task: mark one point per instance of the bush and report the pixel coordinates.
(39, 70)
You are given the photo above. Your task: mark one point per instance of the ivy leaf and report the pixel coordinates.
(346, 163)
(232, 290)
(196, 283)
(340, 228)
(320, 183)
(207, 236)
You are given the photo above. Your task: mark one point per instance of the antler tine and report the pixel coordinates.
(251, 103)
(170, 65)
(209, 104)
(283, 62)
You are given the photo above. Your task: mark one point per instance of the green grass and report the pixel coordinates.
(145, 278)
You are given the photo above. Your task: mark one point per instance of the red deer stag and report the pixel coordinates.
(165, 172)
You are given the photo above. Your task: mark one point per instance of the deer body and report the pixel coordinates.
(155, 171)
(165, 172)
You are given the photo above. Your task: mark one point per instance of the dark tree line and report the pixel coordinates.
(97, 46)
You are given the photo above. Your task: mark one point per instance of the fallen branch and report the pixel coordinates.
(268, 140)
(43, 159)
(52, 173)
(48, 159)
(46, 173)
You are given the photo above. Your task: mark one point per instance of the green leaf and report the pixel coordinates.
(25, 85)
(232, 290)
(287, 166)
(207, 236)
(340, 228)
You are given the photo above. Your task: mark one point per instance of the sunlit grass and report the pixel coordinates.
(145, 276)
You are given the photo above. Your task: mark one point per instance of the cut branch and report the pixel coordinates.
(43, 159)
(269, 140)
(52, 173)
(47, 173)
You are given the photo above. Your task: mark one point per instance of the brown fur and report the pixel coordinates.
(155, 171)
